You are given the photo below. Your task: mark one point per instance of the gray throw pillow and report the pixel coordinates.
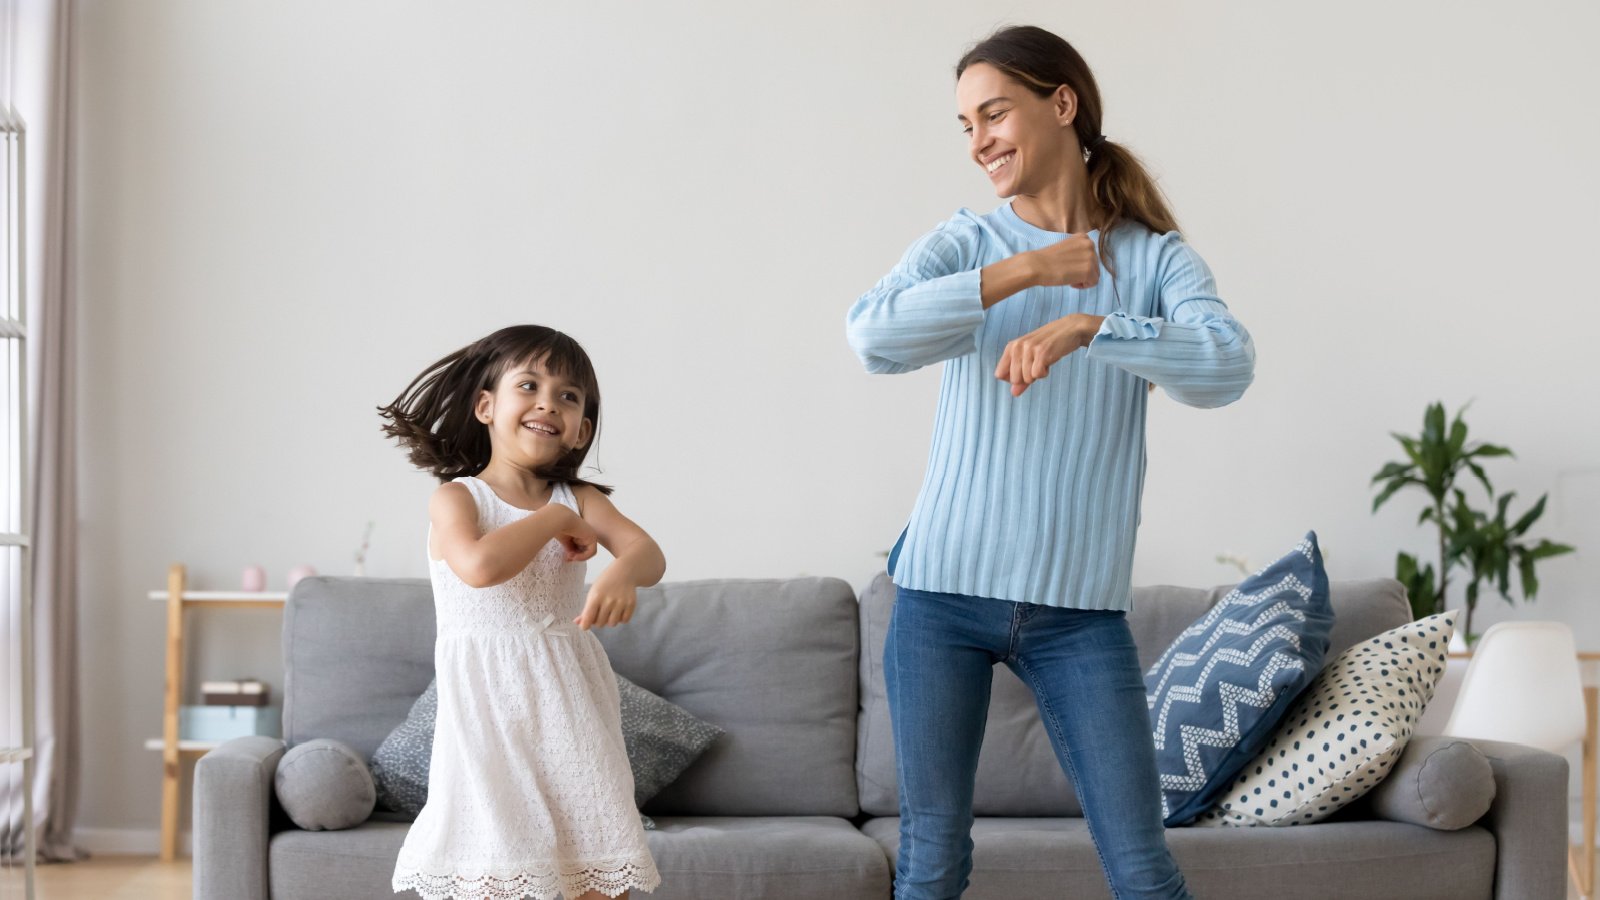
(400, 764)
(324, 785)
(1440, 782)
(662, 740)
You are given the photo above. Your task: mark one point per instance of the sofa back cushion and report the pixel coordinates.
(1018, 774)
(772, 663)
(357, 652)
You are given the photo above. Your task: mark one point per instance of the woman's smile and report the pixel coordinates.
(997, 163)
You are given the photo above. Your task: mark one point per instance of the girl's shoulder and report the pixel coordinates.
(458, 496)
(587, 497)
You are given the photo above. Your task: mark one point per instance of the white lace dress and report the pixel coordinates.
(529, 792)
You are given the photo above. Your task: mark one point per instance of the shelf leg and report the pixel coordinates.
(171, 764)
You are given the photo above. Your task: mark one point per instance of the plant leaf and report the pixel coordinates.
(1530, 583)
(1458, 434)
(1478, 471)
(1388, 491)
(1547, 549)
(1433, 424)
(1390, 470)
(1529, 517)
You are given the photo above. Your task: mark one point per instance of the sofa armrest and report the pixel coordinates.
(232, 818)
(1529, 821)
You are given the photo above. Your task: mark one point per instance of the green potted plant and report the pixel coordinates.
(1486, 547)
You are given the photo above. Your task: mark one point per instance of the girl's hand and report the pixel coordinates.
(611, 602)
(576, 536)
(1029, 358)
(1073, 261)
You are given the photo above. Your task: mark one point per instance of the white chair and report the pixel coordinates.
(1524, 685)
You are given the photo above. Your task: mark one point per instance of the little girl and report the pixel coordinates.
(530, 793)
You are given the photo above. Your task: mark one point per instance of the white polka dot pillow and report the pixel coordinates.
(1343, 735)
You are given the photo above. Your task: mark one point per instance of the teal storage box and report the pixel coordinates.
(224, 723)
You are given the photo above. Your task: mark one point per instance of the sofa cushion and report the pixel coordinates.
(1344, 733)
(357, 862)
(357, 652)
(1018, 774)
(1440, 782)
(1218, 691)
(1026, 857)
(324, 785)
(772, 663)
(780, 858)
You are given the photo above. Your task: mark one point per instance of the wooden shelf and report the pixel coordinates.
(179, 600)
(229, 599)
(201, 747)
(15, 754)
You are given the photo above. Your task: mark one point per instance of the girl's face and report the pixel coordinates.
(534, 417)
(1019, 139)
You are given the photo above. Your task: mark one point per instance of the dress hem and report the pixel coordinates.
(540, 883)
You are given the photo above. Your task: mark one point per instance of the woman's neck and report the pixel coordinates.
(1060, 205)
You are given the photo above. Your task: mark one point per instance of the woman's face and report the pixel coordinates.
(1019, 139)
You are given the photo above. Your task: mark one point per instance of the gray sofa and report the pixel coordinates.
(798, 799)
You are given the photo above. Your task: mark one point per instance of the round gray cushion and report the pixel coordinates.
(324, 785)
(1441, 782)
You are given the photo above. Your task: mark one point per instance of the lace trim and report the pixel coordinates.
(608, 880)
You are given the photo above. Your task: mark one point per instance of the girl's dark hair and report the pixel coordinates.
(1118, 184)
(433, 417)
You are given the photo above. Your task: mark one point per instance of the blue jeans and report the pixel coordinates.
(938, 663)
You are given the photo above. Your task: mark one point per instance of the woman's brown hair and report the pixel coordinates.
(433, 417)
(1119, 187)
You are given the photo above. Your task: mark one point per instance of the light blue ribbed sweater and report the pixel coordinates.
(1036, 498)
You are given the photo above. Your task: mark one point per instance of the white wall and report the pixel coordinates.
(288, 209)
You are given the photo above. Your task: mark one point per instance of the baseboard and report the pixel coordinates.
(127, 841)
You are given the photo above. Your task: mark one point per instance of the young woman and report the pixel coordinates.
(1055, 315)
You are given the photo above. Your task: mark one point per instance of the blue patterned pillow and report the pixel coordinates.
(1219, 691)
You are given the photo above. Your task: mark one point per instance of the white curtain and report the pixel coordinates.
(35, 72)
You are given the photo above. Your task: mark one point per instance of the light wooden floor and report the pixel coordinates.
(107, 877)
(136, 878)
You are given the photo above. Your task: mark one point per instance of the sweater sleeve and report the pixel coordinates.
(1195, 349)
(927, 309)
